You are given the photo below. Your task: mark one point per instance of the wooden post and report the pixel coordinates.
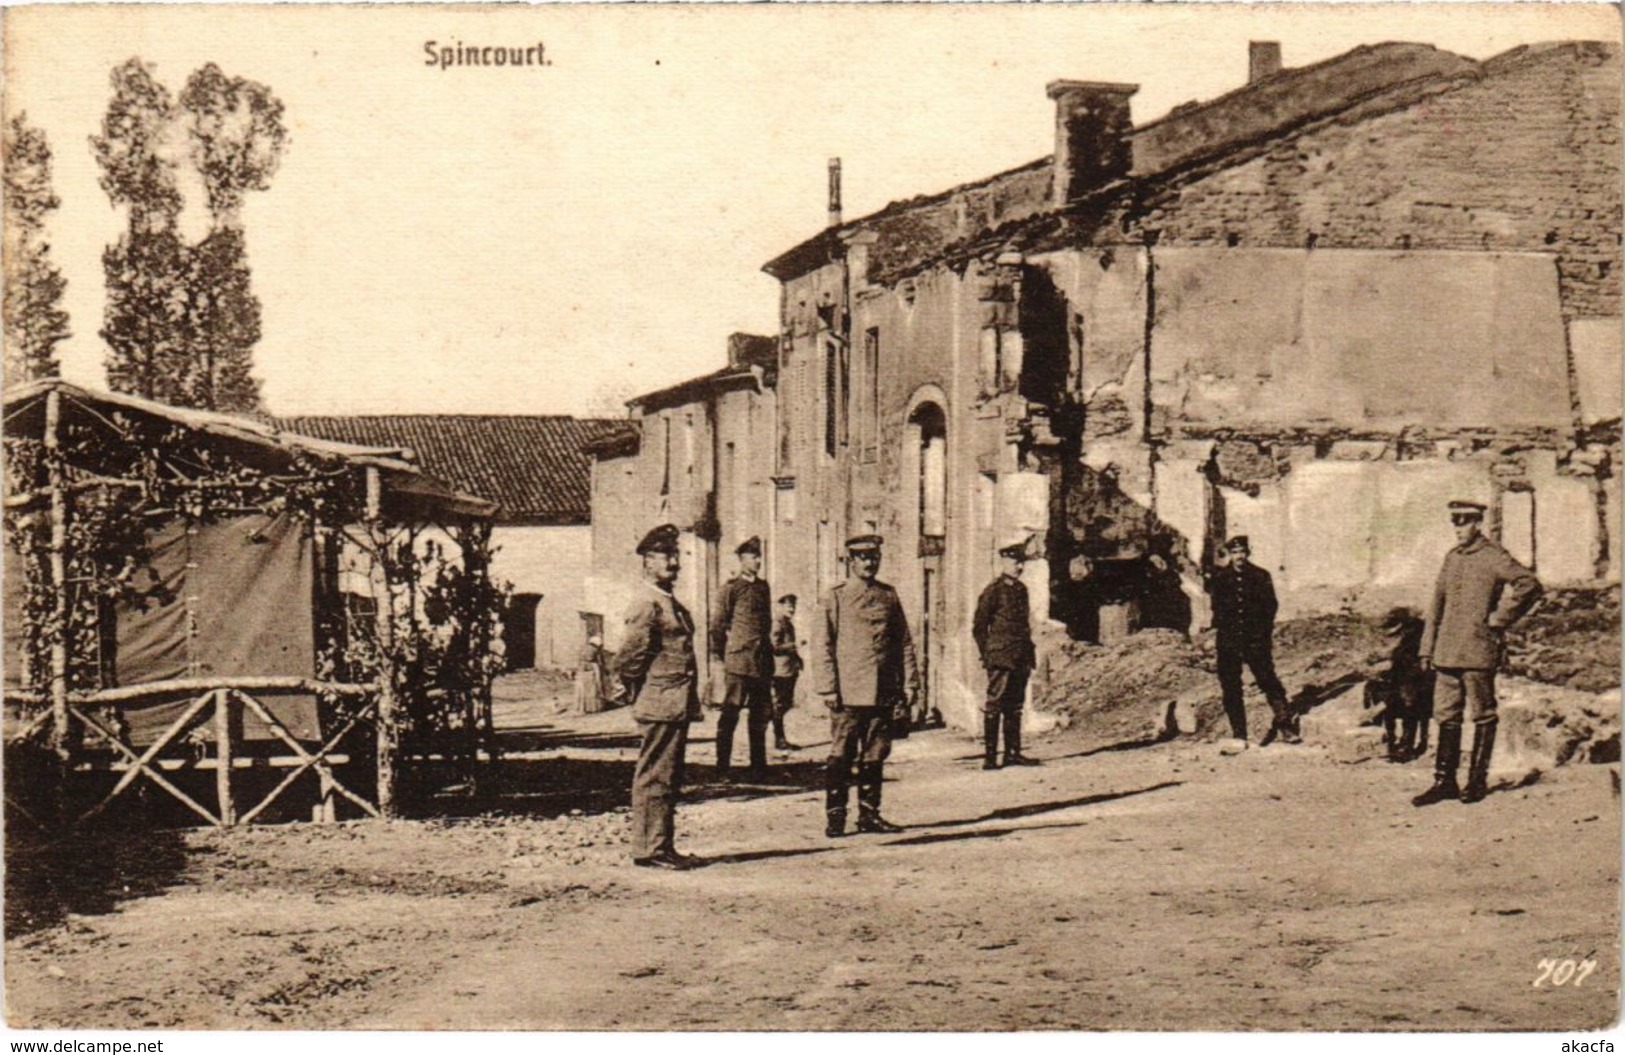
(385, 624)
(61, 741)
(227, 727)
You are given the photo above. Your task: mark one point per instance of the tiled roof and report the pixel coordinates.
(533, 467)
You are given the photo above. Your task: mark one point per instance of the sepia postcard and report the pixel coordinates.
(813, 518)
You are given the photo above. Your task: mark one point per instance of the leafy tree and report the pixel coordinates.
(224, 322)
(34, 320)
(182, 320)
(144, 324)
(237, 138)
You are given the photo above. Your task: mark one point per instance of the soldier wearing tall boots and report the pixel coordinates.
(1244, 608)
(1481, 591)
(657, 671)
(742, 641)
(864, 670)
(1002, 629)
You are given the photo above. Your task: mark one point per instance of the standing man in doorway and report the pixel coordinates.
(864, 670)
(657, 670)
(1003, 632)
(1481, 591)
(742, 640)
(1244, 608)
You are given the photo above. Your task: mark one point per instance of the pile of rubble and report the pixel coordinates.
(1559, 691)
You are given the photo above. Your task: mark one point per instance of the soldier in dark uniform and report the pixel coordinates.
(786, 668)
(1003, 632)
(1481, 591)
(1244, 609)
(741, 639)
(657, 670)
(864, 669)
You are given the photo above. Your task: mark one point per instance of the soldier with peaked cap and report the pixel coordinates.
(1002, 629)
(1481, 591)
(786, 668)
(864, 668)
(1244, 608)
(657, 669)
(742, 640)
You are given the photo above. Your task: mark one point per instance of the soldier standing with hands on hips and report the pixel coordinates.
(656, 668)
(864, 670)
(1003, 632)
(742, 639)
(1481, 591)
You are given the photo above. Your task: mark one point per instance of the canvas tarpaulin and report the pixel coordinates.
(230, 598)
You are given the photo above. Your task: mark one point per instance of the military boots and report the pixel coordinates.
(727, 722)
(835, 785)
(990, 741)
(1012, 742)
(870, 779)
(1478, 764)
(1447, 756)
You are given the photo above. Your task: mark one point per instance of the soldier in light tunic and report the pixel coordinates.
(1481, 591)
(864, 669)
(657, 670)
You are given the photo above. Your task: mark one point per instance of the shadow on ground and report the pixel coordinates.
(86, 873)
(575, 781)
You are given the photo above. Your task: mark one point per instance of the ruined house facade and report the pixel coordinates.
(1309, 311)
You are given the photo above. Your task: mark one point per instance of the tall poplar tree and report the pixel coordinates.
(34, 320)
(236, 138)
(182, 320)
(145, 324)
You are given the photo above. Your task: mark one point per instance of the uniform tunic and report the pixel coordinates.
(742, 628)
(656, 665)
(1002, 629)
(1481, 591)
(1244, 608)
(863, 653)
(786, 665)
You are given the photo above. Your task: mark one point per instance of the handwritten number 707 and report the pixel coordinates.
(1563, 972)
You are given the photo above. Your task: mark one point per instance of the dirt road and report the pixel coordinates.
(1146, 887)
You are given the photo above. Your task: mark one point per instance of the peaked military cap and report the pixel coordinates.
(750, 545)
(1465, 506)
(662, 539)
(1238, 542)
(1016, 545)
(864, 543)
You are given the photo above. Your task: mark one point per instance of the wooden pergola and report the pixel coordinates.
(175, 605)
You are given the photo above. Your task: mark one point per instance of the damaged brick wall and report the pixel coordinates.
(1526, 156)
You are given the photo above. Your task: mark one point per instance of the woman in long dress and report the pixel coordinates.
(590, 677)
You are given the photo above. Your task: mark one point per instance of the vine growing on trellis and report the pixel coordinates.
(122, 482)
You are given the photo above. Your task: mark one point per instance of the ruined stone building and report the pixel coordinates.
(1310, 311)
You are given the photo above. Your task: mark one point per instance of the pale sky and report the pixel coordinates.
(520, 240)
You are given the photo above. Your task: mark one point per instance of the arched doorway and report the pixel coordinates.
(927, 447)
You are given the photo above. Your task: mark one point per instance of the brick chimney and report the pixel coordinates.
(835, 192)
(1263, 59)
(1092, 145)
